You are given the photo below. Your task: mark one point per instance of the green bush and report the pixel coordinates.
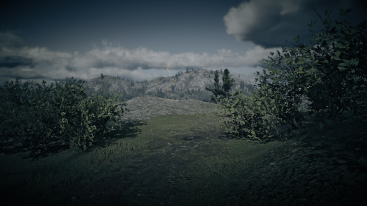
(329, 82)
(48, 114)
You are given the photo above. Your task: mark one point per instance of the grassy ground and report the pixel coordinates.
(185, 160)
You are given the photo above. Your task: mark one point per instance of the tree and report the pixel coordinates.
(227, 82)
(216, 91)
(221, 91)
(328, 81)
(242, 85)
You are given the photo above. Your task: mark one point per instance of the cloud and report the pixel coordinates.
(31, 63)
(269, 23)
(15, 61)
(264, 23)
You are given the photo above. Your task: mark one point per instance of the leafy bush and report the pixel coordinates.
(50, 114)
(329, 82)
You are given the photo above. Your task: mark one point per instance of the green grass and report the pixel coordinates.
(185, 160)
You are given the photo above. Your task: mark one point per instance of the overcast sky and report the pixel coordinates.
(145, 39)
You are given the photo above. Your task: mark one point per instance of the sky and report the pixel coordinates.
(143, 40)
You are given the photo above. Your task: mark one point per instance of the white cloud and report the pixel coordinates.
(39, 63)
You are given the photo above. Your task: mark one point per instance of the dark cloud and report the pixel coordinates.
(15, 61)
(271, 23)
(102, 64)
(70, 68)
(135, 65)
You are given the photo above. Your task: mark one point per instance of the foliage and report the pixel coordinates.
(50, 114)
(329, 82)
(221, 90)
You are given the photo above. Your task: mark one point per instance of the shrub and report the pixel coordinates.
(327, 82)
(60, 113)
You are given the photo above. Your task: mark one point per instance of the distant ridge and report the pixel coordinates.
(186, 85)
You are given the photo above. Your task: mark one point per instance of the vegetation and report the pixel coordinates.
(329, 82)
(64, 114)
(221, 90)
(181, 159)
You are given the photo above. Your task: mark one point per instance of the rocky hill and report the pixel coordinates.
(186, 85)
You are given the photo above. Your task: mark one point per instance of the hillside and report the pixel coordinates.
(190, 85)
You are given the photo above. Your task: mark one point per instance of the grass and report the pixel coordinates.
(184, 160)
